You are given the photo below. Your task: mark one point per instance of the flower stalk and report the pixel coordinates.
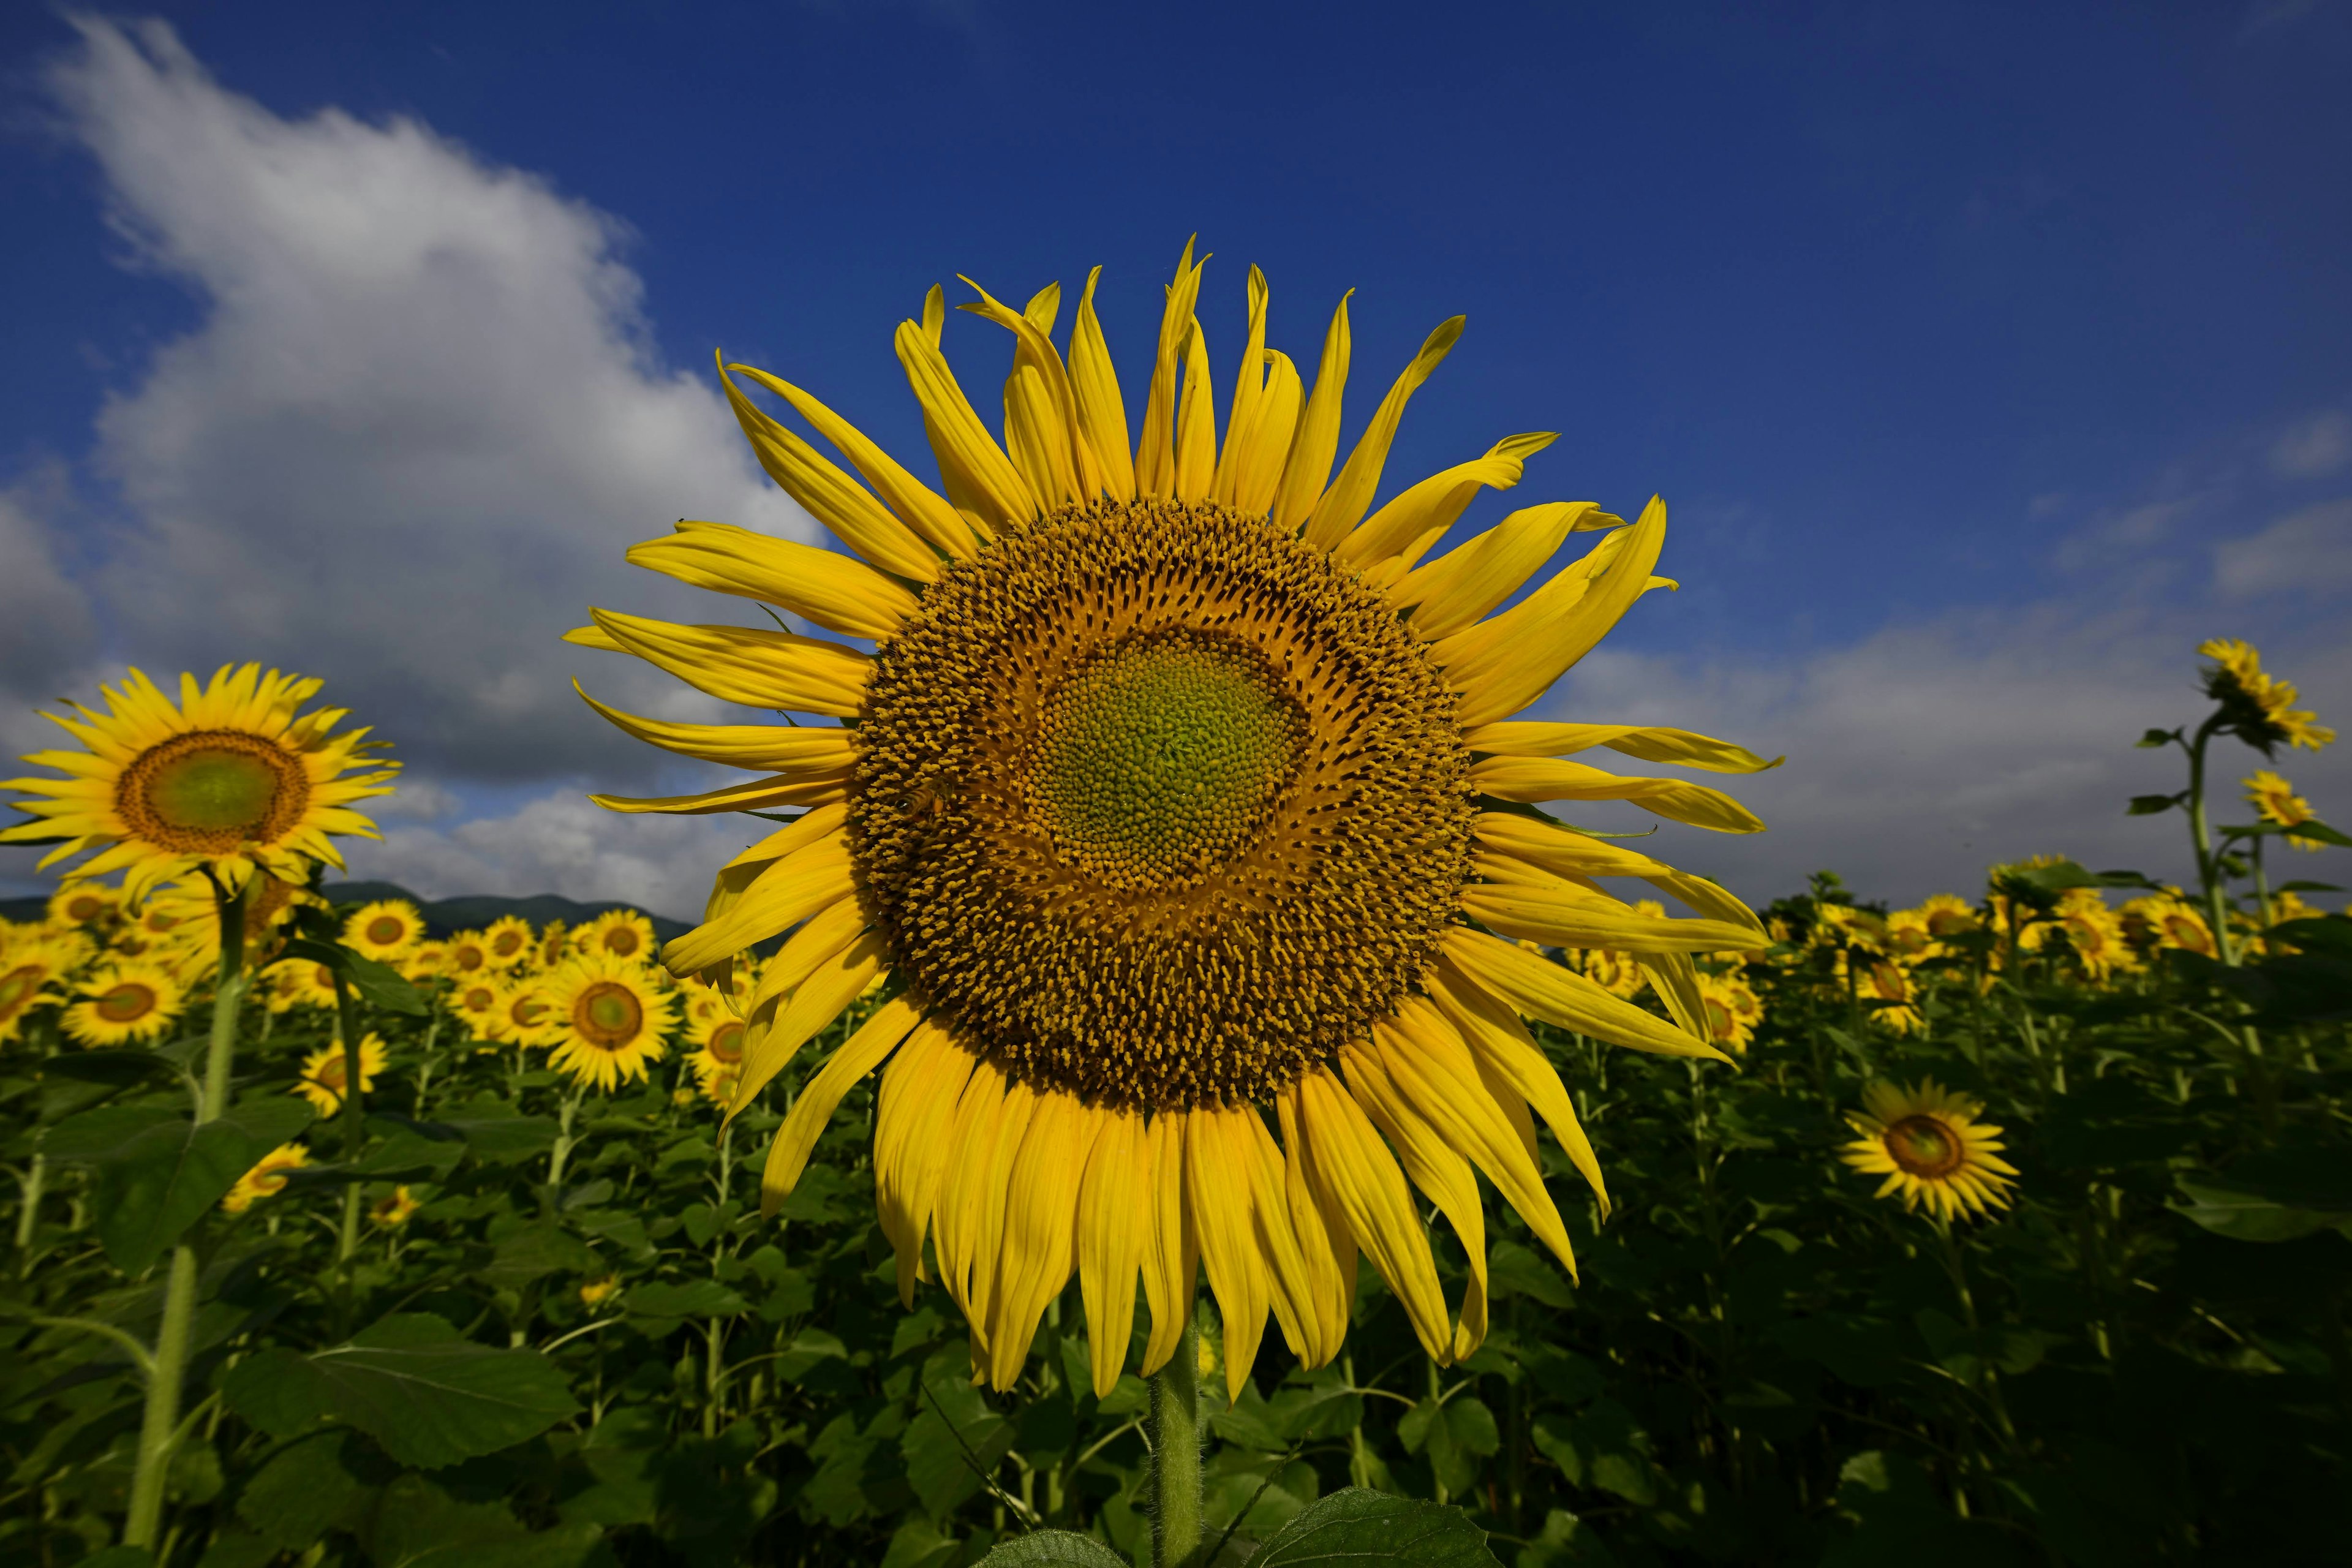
(1176, 1456)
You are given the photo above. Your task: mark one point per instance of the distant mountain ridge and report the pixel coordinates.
(443, 917)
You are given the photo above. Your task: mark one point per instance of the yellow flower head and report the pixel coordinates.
(2274, 800)
(477, 999)
(608, 1020)
(467, 957)
(719, 1042)
(2166, 920)
(125, 1003)
(268, 1177)
(618, 933)
(323, 1072)
(233, 777)
(392, 1212)
(554, 942)
(428, 962)
(86, 904)
(1733, 1010)
(510, 942)
(387, 930)
(1928, 1144)
(1883, 980)
(596, 1292)
(2259, 709)
(2093, 932)
(31, 972)
(521, 1015)
(183, 920)
(1160, 812)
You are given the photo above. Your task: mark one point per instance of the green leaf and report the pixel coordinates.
(496, 1132)
(159, 1182)
(430, 1397)
(1515, 1270)
(1455, 1435)
(2248, 1216)
(103, 1134)
(1361, 1526)
(1054, 1549)
(2329, 934)
(2149, 805)
(300, 1492)
(378, 984)
(695, 1298)
(2318, 833)
(534, 1252)
(2154, 738)
(420, 1526)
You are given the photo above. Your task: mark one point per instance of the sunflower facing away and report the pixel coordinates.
(125, 1003)
(607, 1019)
(1928, 1144)
(1178, 777)
(232, 778)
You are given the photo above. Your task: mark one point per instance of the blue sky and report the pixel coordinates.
(1988, 357)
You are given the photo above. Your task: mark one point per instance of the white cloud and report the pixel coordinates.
(2319, 444)
(560, 844)
(417, 423)
(2309, 552)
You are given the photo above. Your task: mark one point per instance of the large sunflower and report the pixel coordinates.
(607, 1019)
(1179, 786)
(233, 777)
(125, 1002)
(1928, 1144)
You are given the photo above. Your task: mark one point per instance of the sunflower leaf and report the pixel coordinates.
(1358, 1525)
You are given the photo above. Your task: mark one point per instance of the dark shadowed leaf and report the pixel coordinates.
(1361, 1526)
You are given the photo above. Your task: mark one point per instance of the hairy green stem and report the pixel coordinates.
(159, 1426)
(1176, 1456)
(354, 1119)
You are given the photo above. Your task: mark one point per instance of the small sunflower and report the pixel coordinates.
(618, 933)
(510, 942)
(387, 930)
(2166, 920)
(467, 957)
(1909, 937)
(428, 961)
(2277, 804)
(32, 972)
(183, 918)
(1180, 799)
(1877, 979)
(1928, 1144)
(393, 1210)
(476, 999)
(125, 1003)
(609, 1019)
(268, 1177)
(554, 942)
(323, 1072)
(2093, 934)
(2258, 708)
(89, 904)
(1733, 1010)
(717, 1046)
(1948, 915)
(234, 778)
(596, 1292)
(521, 1015)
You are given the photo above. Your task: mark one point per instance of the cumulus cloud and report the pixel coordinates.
(2307, 552)
(2319, 444)
(417, 423)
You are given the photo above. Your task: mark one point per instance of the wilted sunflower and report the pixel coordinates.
(125, 1002)
(232, 778)
(608, 1020)
(618, 933)
(31, 973)
(84, 904)
(1176, 779)
(387, 930)
(510, 942)
(2274, 800)
(324, 1072)
(268, 1177)
(1928, 1144)
(2257, 708)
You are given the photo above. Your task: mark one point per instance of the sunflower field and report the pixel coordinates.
(2019, 1235)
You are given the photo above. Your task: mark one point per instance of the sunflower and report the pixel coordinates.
(1176, 780)
(622, 933)
(2274, 800)
(182, 920)
(428, 961)
(1928, 1144)
(476, 999)
(1733, 1010)
(1909, 937)
(2257, 708)
(510, 942)
(387, 930)
(393, 1210)
(467, 957)
(268, 1177)
(2093, 934)
(231, 778)
(323, 1072)
(717, 1046)
(1877, 979)
(2166, 920)
(87, 904)
(520, 1015)
(1948, 915)
(31, 973)
(609, 1019)
(124, 1004)
(554, 942)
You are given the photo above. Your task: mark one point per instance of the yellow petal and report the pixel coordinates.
(1350, 496)
(824, 937)
(1094, 382)
(1546, 778)
(1022, 1105)
(1041, 1222)
(1171, 1255)
(1065, 464)
(916, 504)
(783, 894)
(1155, 454)
(1503, 1045)
(1347, 1159)
(1196, 425)
(1258, 460)
(971, 1152)
(1557, 914)
(827, 494)
(743, 664)
(1540, 841)
(1327, 1248)
(759, 795)
(1538, 988)
(774, 748)
(1674, 978)
(1420, 515)
(1113, 1194)
(837, 591)
(740, 873)
(1249, 390)
(1652, 744)
(770, 1047)
(1316, 441)
(912, 1113)
(1460, 586)
(1443, 1176)
(1218, 1160)
(1504, 663)
(978, 474)
(585, 637)
(813, 1109)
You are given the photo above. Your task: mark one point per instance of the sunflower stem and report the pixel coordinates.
(159, 1426)
(354, 1118)
(1176, 1456)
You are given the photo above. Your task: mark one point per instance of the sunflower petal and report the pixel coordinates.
(1457, 589)
(1041, 1222)
(756, 795)
(1217, 1164)
(772, 748)
(912, 1113)
(1441, 1172)
(1155, 453)
(977, 472)
(786, 893)
(1094, 384)
(1529, 779)
(1346, 1160)
(1317, 439)
(1249, 391)
(1171, 1257)
(1502, 1043)
(1651, 744)
(1196, 424)
(1419, 515)
(813, 1107)
(1350, 496)
(770, 1047)
(1113, 1192)
(1538, 988)
(1557, 914)
(743, 664)
(839, 593)
(827, 494)
(920, 507)
(1326, 1248)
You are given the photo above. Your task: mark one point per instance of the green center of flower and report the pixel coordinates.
(214, 791)
(1159, 756)
(127, 1003)
(726, 1045)
(1924, 1146)
(210, 791)
(608, 1015)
